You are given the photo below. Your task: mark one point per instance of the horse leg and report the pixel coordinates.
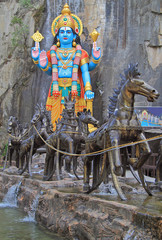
(114, 177)
(130, 160)
(68, 142)
(48, 163)
(58, 160)
(17, 158)
(51, 168)
(60, 166)
(124, 156)
(24, 167)
(101, 175)
(114, 139)
(29, 160)
(95, 170)
(87, 171)
(10, 156)
(146, 152)
(75, 164)
(6, 157)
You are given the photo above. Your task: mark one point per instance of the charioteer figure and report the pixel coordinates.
(67, 63)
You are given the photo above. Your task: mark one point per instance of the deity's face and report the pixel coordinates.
(66, 36)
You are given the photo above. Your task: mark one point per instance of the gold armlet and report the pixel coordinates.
(88, 86)
(95, 61)
(36, 62)
(84, 60)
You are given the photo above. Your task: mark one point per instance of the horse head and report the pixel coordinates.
(130, 84)
(69, 105)
(37, 114)
(12, 124)
(87, 118)
(136, 85)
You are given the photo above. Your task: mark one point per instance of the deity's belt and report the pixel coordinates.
(65, 82)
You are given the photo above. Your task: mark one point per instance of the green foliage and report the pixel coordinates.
(25, 3)
(4, 150)
(19, 36)
(16, 20)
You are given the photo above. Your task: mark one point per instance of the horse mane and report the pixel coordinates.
(129, 73)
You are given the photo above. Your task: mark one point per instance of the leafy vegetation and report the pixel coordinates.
(20, 33)
(4, 150)
(16, 20)
(26, 3)
(19, 36)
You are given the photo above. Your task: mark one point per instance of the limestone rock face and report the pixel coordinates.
(130, 31)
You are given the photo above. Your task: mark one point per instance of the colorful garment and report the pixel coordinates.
(55, 105)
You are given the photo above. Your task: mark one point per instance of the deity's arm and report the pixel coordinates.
(96, 55)
(42, 60)
(87, 82)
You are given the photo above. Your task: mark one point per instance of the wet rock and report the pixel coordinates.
(80, 216)
(11, 170)
(160, 185)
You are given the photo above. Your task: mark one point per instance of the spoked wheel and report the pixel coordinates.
(101, 175)
(115, 179)
(144, 183)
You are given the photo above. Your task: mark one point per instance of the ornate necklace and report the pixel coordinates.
(53, 50)
(66, 62)
(65, 52)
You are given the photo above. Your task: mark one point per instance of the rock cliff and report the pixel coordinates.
(130, 31)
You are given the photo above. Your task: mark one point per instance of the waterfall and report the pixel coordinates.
(10, 199)
(31, 213)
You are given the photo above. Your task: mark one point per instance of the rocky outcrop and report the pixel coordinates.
(82, 217)
(130, 31)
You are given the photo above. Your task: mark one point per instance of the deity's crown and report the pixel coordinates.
(66, 19)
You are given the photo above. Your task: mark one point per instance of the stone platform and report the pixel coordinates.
(62, 208)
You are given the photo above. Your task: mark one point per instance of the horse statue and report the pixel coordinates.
(69, 136)
(122, 127)
(30, 145)
(14, 141)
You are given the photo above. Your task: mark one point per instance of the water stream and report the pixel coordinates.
(13, 226)
(10, 199)
(31, 213)
(16, 225)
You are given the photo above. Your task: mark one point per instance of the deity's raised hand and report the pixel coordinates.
(43, 60)
(35, 53)
(96, 53)
(37, 37)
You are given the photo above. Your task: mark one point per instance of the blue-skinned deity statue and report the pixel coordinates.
(67, 63)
